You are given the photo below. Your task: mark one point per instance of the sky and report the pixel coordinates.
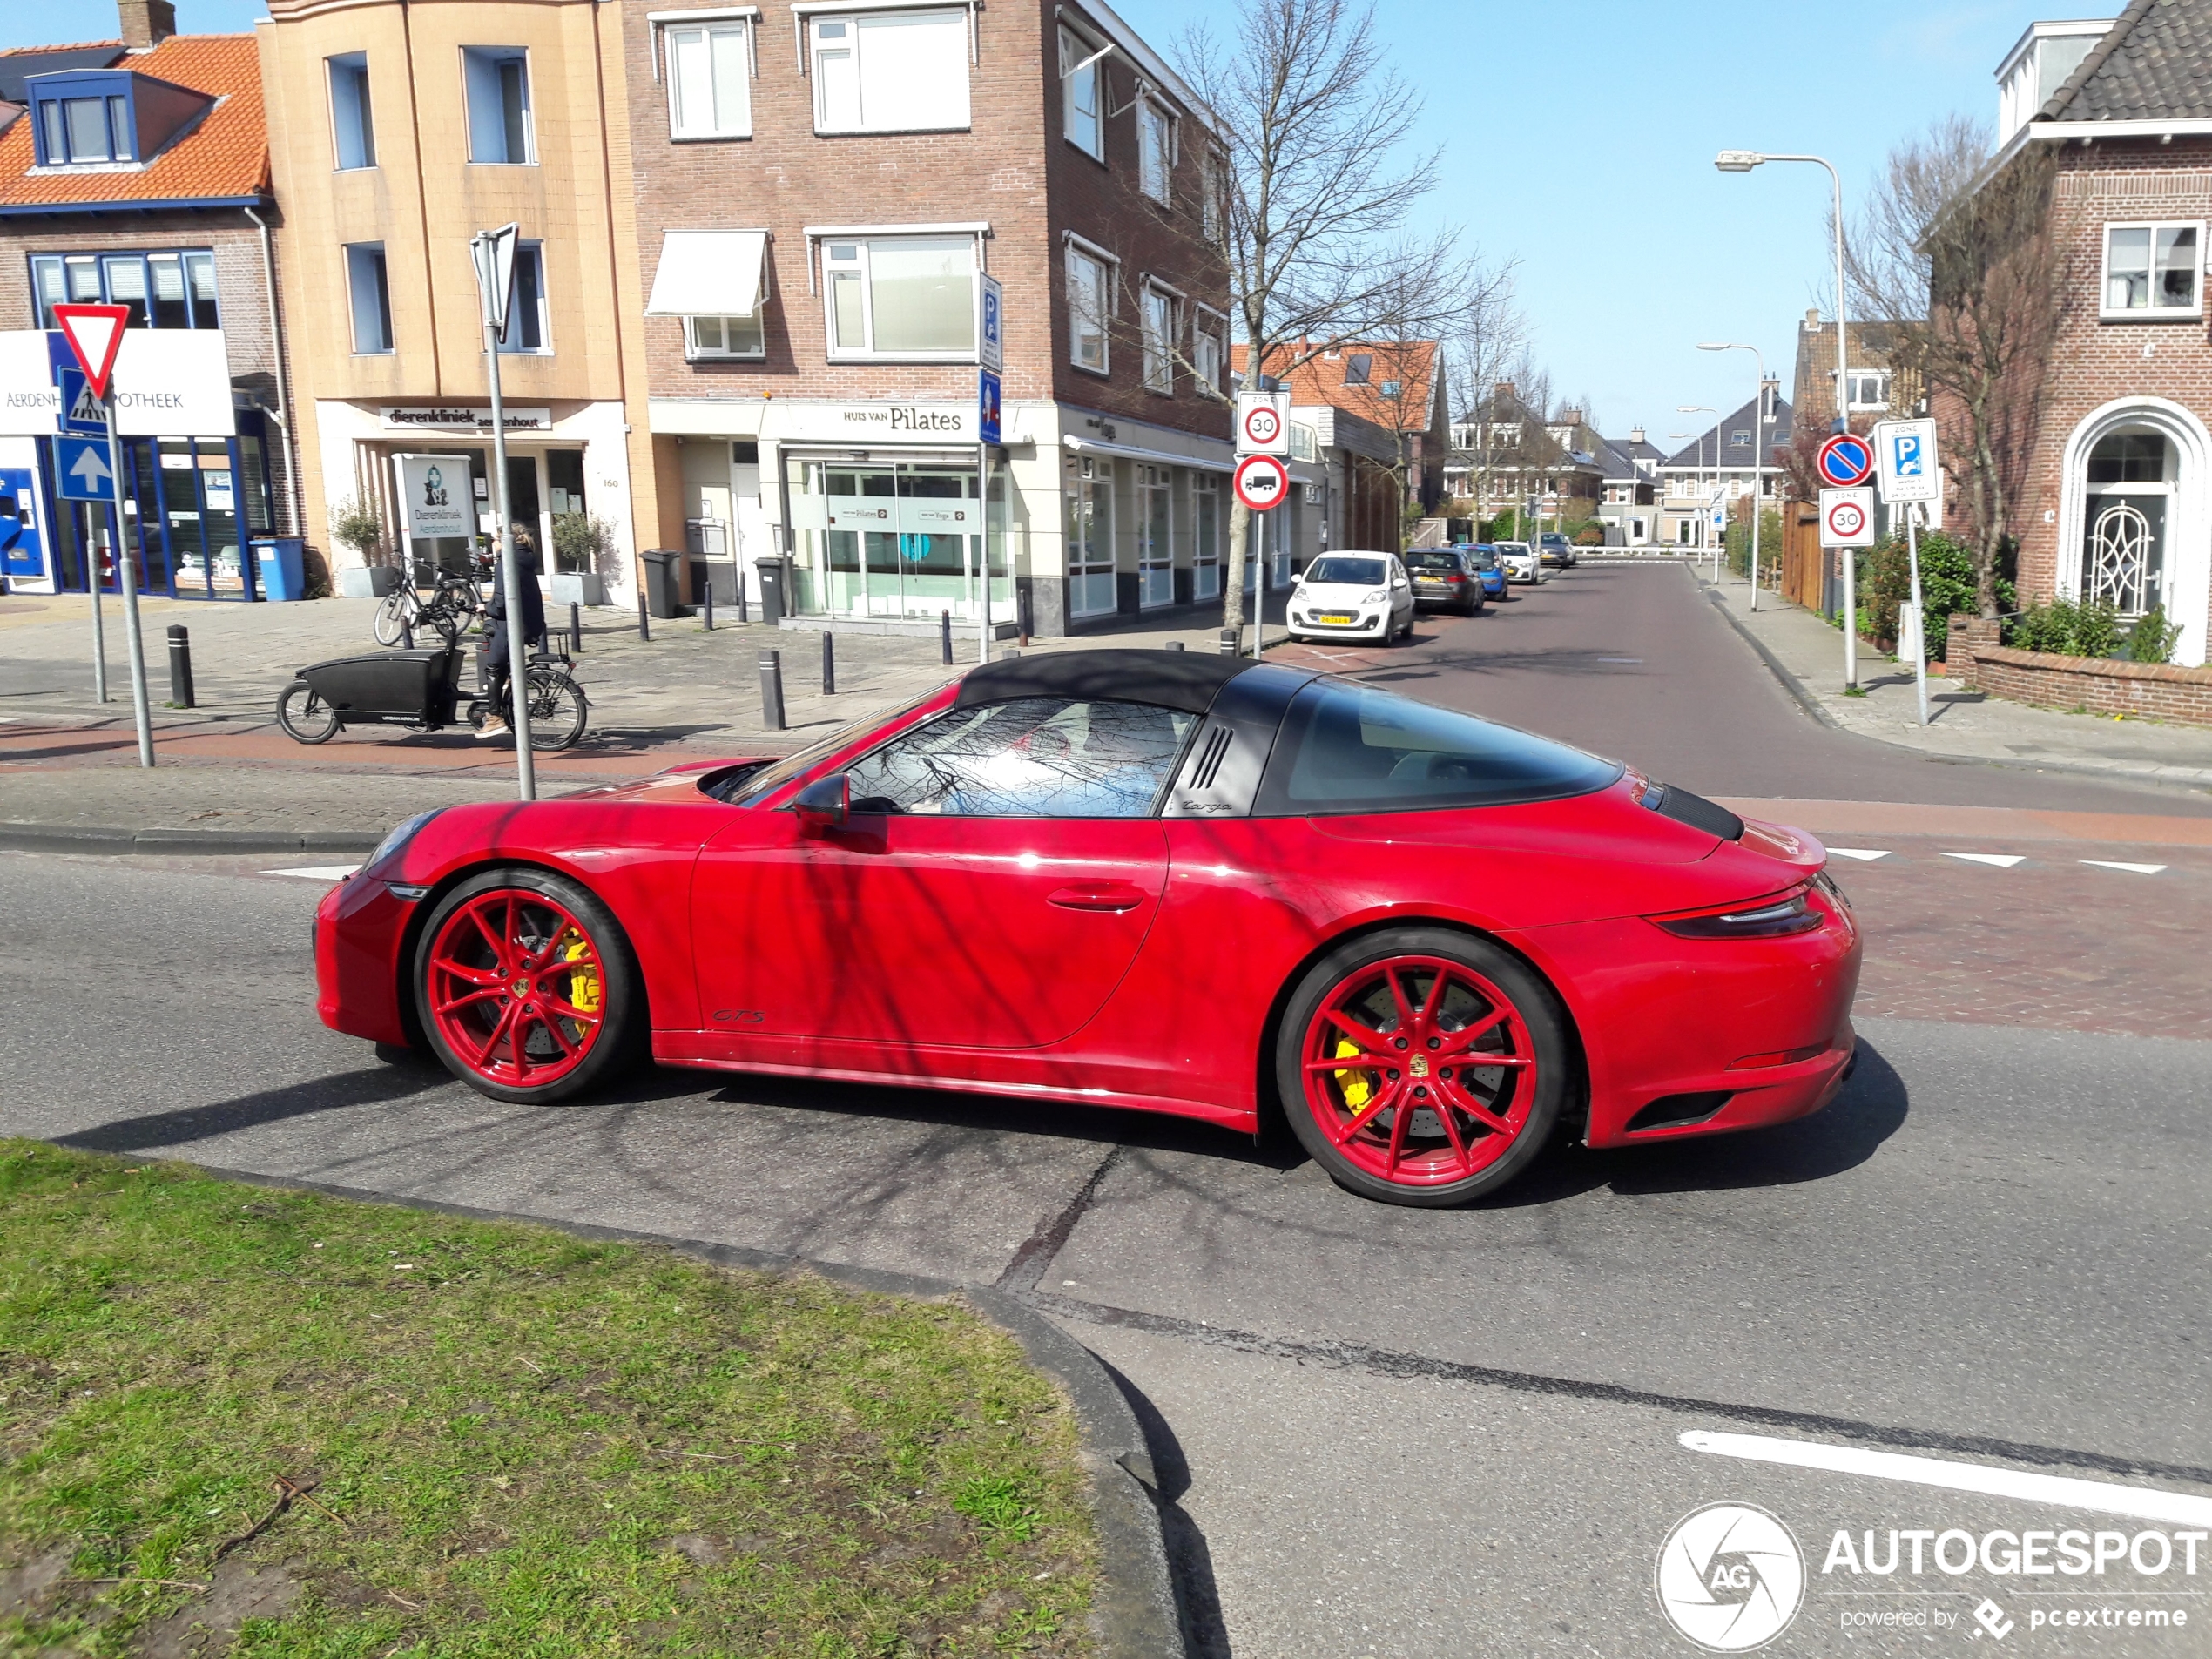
(1578, 139)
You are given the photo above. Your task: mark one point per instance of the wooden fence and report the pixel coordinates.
(1805, 564)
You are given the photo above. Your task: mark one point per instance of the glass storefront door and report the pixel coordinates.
(1154, 540)
(895, 540)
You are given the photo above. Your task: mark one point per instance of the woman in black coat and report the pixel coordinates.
(526, 566)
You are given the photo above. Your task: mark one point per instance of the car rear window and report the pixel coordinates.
(1433, 561)
(1350, 572)
(1347, 748)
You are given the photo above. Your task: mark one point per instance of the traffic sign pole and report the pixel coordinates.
(1919, 613)
(127, 579)
(492, 252)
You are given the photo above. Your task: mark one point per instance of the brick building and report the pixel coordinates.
(136, 173)
(2115, 498)
(1379, 416)
(818, 188)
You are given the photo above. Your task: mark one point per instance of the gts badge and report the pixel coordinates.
(739, 1016)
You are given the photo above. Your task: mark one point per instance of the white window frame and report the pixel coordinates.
(353, 298)
(865, 242)
(1156, 149)
(354, 65)
(1159, 348)
(694, 352)
(534, 249)
(495, 56)
(1107, 266)
(2153, 312)
(1210, 327)
(852, 22)
(707, 27)
(1074, 49)
(1882, 375)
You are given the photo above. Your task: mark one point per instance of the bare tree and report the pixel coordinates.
(1316, 195)
(1493, 335)
(1961, 255)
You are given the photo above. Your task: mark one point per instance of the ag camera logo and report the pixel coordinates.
(1731, 1577)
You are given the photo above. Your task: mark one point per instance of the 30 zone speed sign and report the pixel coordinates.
(1847, 518)
(1261, 481)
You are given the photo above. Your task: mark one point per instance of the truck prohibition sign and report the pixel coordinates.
(1261, 481)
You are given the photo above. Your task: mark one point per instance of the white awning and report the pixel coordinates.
(1222, 462)
(708, 274)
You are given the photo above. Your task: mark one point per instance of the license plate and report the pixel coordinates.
(1343, 616)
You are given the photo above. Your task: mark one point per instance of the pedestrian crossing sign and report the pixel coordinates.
(81, 410)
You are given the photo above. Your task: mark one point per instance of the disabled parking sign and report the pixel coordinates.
(1904, 461)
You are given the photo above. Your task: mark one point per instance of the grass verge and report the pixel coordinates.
(266, 1423)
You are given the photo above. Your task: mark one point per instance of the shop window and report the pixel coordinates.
(2152, 270)
(166, 290)
(526, 322)
(892, 71)
(498, 84)
(353, 128)
(1205, 523)
(1089, 300)
(706, 338)
(371, 298)
(710, 81)
(1089, 537)
(901, 296)
(1155, 150)
(1081, 64)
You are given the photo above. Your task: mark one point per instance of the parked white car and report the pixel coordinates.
(1353, 595)
(1521, 561)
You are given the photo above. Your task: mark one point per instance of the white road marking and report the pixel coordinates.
(2002, 860)
(319, 872)
(2133, 869)
(2148, 1503)
(1865, 855)
(1621, 659)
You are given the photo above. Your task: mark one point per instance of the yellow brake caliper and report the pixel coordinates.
(1358, 1088)
(584, 979)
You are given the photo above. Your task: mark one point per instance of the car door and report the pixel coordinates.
(999, 869)
(1401, 593)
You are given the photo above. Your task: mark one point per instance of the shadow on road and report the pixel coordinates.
(1872, 1107)
(1198, 1598)
(366, 1088)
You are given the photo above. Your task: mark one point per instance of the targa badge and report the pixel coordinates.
(1731, 1577)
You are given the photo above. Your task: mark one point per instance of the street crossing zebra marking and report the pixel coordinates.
(2001, 860)
(2133, 869)
(1865, 855)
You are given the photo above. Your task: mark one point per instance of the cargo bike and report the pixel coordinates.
(422, 689)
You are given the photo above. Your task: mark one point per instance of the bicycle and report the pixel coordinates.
(456, 602)
(422, 691)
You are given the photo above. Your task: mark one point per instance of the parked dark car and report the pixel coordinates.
(1444, 578)
(1555, 550)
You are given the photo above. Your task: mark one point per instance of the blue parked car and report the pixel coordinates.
(1483, 560)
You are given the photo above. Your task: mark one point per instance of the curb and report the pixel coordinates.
(2199, 783)
(1134, 1615)
(86, 838)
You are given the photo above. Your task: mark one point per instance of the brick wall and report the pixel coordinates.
(2154, 690)
(1011, 168)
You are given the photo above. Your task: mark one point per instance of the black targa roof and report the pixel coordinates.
(1171, 679)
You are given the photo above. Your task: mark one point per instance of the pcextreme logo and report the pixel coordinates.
(1730, 1577)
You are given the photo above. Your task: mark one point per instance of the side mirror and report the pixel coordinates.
(825, 803)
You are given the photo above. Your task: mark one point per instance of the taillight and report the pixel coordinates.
(1764, 919)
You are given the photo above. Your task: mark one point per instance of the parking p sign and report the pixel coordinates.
(1905, 460)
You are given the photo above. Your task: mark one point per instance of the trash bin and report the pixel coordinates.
(775, 588)
(664, 577)
(280, 566)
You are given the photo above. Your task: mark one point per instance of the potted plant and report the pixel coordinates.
(354, 525)
(581, 543)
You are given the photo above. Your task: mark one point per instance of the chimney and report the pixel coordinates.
(1504, 388)
(146, 22)
(1812, 317)
(1635, 435)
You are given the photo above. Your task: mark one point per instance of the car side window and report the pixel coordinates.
(1032, 757)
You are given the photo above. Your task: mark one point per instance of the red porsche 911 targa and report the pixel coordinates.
(1139, 878)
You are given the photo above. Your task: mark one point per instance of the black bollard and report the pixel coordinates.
(829, 664)
(181, 694)
(1022, 610)
(1229, 641)
(645, 619)
(706, 602)
(406, 633)
(1175, 644)
(576, 628)
(771, 690)
(743, 615)
(945, 635)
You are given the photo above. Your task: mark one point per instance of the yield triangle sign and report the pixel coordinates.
(95, 334)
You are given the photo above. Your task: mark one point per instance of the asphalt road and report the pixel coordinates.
(1386, 1432)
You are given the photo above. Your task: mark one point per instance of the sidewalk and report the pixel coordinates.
(1807, 654)
(227, 779)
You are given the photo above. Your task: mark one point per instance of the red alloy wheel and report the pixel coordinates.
(517, 987)
(1419, 1070)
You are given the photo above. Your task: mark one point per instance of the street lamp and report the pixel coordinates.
(1743, 161)
(1699, 408)
(1758, 455)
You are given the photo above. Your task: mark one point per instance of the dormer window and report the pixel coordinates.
(1357, 367)
(84, 129)
(89, 118)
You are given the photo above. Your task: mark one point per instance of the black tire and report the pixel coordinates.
(304, 716)
(558, 711)
(1533, 1001)
(623, 1038)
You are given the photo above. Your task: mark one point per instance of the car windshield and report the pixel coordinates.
(1349, 748)
(1419, 561)
(1484, 558)
(1354, 573)
(761, 785)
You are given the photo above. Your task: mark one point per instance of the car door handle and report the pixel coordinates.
(1105, 895)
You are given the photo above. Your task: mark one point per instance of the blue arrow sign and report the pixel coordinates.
(81, 411)
(81, 466)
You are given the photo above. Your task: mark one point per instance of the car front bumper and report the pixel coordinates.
(1367, 625)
